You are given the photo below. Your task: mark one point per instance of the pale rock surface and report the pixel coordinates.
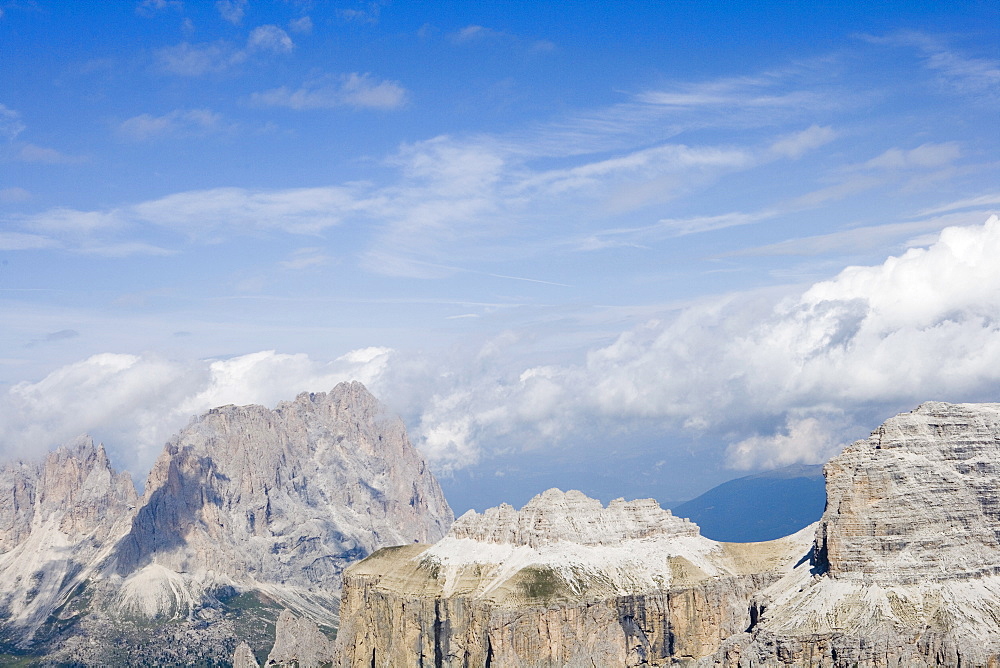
(564, 581)
(58, 523)
(908, 550)
(248, 511)
(278, 500)
(243, 657)
(299, 643)
(903, 569)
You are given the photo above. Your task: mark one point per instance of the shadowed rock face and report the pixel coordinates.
(902, 569)
(290, 495)
(246, 512)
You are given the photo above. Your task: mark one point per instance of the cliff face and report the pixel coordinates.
(58, 522)
(248, 511)
(902, 569)
(285, 497)
(908, 549)
(564, 581)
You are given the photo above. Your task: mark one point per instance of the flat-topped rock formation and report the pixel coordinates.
(903, 569)
(563, 581)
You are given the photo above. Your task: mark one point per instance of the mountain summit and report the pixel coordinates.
(903, 568)
(248, 511)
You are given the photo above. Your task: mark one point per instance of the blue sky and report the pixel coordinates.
(635, 248)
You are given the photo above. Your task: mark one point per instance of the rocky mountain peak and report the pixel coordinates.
(290, 495)
(919, 497)
(556, 516)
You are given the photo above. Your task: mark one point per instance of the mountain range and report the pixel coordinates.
(247, 512)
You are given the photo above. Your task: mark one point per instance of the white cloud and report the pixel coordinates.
(193, 60)
(232, 10)
(203, 213)
(922, 157)
(151, 7)
(796, 145)
(920, 326)
(136, 402)
(40, 154)
(305, 258)
(807, 440)
(180, 121)
(21, 241)
(14, 194)
(302, 25)
(270, 38)
(351, 90)
(10, 123)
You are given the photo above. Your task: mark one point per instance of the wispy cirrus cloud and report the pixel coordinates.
(50, 156)
(958, 71)
(10, 123)
(350, 90)
(145, 127)
(186, 59)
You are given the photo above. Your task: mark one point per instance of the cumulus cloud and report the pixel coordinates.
(270, 38)
(186, 59)
(920, 326)
(351, 90)
(152, 7)
(136, 402)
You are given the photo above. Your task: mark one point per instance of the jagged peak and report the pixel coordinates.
(556, 516)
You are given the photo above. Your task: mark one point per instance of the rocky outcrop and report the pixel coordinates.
(564, 581)
(903, 569)
(58, 522)
(247, 512)
(299, 643)
(907, 549)
(279, 500)
(243, 657)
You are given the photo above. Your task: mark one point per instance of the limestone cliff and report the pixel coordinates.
(564, 581)
(903, 569)
(908, 550)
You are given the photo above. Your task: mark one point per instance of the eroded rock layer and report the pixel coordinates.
(564, 581)
(902, 570)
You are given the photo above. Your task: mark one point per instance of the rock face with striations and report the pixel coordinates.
(903, 569)
(564, 581)
(908, 550)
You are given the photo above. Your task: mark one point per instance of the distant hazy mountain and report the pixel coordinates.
(763, 506)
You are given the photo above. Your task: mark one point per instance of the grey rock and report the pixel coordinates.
(903, 569)
(57, 525)
(299, 643)
(243, 657)
(248, 511)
